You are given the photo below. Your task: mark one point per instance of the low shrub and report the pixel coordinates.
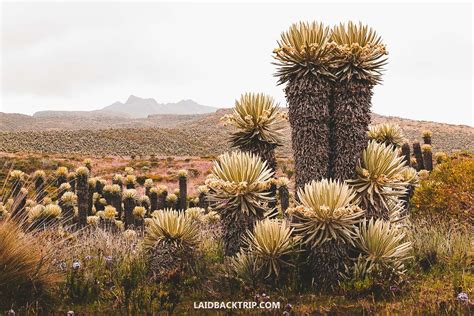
(447, 193)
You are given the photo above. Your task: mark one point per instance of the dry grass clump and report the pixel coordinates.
(27, 273)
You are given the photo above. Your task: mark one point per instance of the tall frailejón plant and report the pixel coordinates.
(427, 157)
(406, 154)
(359, 58)
(260, 124)
(418, 156)
(238, 191)
(284, 194)
(82, 188)
(129, 197)
(183, 189)
(303, 58)
(153, 199)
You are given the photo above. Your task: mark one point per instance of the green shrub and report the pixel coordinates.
(447, 193)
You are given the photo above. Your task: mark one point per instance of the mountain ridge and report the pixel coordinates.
(135, 107)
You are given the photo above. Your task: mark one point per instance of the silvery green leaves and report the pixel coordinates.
(241, 180)
(271, 242)
(382, 245)
(359, 54)
(345, 52)
(303, 49)
(327, 211)
(379, 178)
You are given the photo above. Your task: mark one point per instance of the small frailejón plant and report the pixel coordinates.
(245, 267)
(61, 175)
(39, 178)
(130, 181)
(260, 124)
(63, 188)
(326, 219)
(119, 180)
(162, 191)
(384, 249)
(71, 179)
(411, 178)
(238, 191)
(88, 164)
(144, 201)
(107, 218)
(172, 201)
(170, 240)
(139, 213)
(358, 61)
(18, 193)
(271, 242)
(303, 58)
(68, 203)
(379, 179)
(427, 137)
(387, 133)
(196, 213)
(41, 216)
(17, 179)
(203, 190)
(113, 196)
(440, 157)
(148, 184)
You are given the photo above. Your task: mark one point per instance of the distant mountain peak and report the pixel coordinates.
(132, 98)
(136, 107)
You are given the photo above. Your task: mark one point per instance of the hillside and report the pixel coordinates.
(135, 107)
(180, 135)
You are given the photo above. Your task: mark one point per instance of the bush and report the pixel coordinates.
(447, 193)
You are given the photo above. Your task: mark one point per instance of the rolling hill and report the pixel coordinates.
(180, 135)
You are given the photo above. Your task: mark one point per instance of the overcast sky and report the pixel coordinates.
(84, 56)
